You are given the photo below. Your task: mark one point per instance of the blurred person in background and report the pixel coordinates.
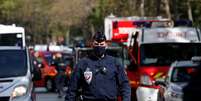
(60, 78)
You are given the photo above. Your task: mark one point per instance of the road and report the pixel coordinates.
(42, 95)
(48, 97)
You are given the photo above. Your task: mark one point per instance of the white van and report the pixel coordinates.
(15, 75)
(16, 66)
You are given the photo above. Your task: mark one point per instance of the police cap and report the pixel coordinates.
(99, 37)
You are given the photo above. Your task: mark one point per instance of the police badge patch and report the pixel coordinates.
(88, 75)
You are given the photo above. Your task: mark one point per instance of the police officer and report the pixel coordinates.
(101, 77)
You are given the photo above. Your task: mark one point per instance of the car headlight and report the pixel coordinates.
(146, 80)
(174, 94)
(19, 91)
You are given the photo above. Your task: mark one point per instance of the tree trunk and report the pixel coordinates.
(92, 28)
(67, 36)
(158, 3)
(142, 8)
(167, 8)
(175, 12)
(190, 16)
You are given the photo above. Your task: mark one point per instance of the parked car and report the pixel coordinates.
(44, 60)
(179, 76)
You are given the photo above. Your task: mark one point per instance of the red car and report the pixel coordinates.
(43, 60)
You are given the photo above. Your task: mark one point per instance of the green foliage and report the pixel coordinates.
(196, 8)
(7, 10)
(83, 17)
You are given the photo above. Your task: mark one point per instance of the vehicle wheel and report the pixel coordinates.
(49, 85)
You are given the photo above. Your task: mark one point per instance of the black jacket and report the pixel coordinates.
(108, 80)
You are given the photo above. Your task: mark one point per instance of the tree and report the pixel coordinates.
(71, 18)
(142, 8)
(190, 16)
(167, 8)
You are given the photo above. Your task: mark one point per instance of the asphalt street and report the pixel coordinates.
(48, 97)
(43, 95)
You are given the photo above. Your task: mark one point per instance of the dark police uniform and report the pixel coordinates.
(101, 79)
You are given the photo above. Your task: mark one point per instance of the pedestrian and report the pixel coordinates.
(60, 78)
(100, 76)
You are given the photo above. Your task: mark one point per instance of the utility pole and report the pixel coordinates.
(158, 3)
(175, 9)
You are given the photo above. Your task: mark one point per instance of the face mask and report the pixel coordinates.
(99, 51)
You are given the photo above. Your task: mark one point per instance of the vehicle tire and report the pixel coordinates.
(49, 85)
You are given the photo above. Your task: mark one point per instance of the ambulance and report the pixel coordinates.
(152, 44)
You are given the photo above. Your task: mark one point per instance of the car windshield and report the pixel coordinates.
(13, 63)
(163, 54)
(14, 39)
(183, 74)
(117, 53)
